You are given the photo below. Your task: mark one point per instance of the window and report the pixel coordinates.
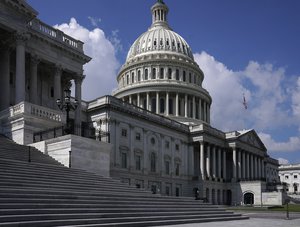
(124, 160)
(286, 177)
(132, 78)
(139, 75)
(177, 74)
(167, 190)
(153, 162)
(162, 105)
(161, 76)
(190, 77)
(167, 42)
(127, 79)
(167, 166)
(184, 76)
(152, 141)
(138, 162)
(169, 73)
(138, 136)
(146, 74)
(154, 73)
(177, 169)
(155, 42)
(124, 132)
(295, 176)
(167, 144)
(170, 106)
(52, 92)
(177, 147)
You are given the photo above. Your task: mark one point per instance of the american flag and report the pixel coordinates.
(245, 102)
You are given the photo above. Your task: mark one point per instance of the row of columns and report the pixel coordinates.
(188, 104)
(246, 165)
(212, 162)
(20, 76)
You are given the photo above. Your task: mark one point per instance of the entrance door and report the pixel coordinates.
(248, 198)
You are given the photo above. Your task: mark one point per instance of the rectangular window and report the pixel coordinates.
(146, 74)
(169, 73)
(167, 144)
(138, 136)
(124, 160)
(177, 74)
(138, 162)
(177, 147)
(132, 78)
(124, 132)
(295, 176)
(286, 177)
(154, 73)
(167, 166)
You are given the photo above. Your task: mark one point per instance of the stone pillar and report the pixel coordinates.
(185, 105)
(208, 162)
(157, 103)
(20, 68)
(130, 99)
(259, 168)
(147, 101)
(33, 79)
(224, 166)
(252, 166)
(234, 163)
(176, 105)
(138, 100)
(117, 145)
(194, 108)
(263, 168)
(78, 83)
(4, 78)
(167, 104)
(214, 162)
(243, 165)
(204, 112)
(239, 165)
(202, 160)
(255, 167)
(248, 166)
(208, 113)
(200, 109)
(57, 83)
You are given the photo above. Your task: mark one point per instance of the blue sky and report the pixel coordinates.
(246, 47)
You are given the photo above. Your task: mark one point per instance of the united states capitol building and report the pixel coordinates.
(154, 131)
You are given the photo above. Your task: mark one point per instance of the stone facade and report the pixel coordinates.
(290, 175)
(157, 122)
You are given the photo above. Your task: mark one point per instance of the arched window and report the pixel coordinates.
(146, 74)
(169, 73)
(153, 105)
(177, 74)
(184, 76)
(161, 75)
(127, 79)
(154, 73)
(170, 106)
(153, 162)
(132, 77)
(139, 75)
(248, 198)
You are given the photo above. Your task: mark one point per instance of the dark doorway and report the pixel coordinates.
(229, 197)
(248, 198)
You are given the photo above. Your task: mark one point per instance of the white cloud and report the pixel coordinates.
(101, 71)
(283, 161)
(94, 21)
(296, 99)
(291, 145)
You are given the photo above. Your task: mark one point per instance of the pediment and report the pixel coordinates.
(251, 138)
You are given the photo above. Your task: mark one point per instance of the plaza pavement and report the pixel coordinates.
(257, 219)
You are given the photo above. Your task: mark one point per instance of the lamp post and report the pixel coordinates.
(67, 105)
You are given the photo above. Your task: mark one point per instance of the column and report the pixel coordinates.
(147, 101)
(33, 79)
(157, 103)
(4, 78)
(243, 165)
(252, 165)
(224, 166)
(78, 83)
(255, 167)
(200, 109)
(57, 83)
(248, 166)
(204, 112)
(20, 68)
(208, 113)
(202, 160)
(263, 168)
(194, 108)
(176, 105)
(219, 163)
(259, 168)
(138, 100)
(239, 165)
(208, 161)
(185, 105)
(234, 163)
(167, 103)
(214, 162)
(117, 145)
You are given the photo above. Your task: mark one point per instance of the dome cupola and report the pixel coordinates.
(161, 76)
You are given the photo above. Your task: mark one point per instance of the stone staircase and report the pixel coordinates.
(44, 193)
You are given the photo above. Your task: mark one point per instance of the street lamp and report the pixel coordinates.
(67, 105)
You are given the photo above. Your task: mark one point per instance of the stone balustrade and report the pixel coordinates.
(55, 34)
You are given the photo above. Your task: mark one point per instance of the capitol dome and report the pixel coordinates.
(161, 76)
